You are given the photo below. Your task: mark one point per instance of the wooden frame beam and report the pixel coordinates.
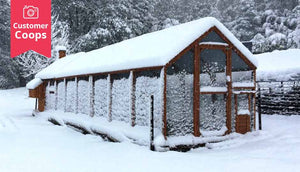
(112, 72)
(229, 90)
(254, 97)
(196, 87)
(42, 97)
(165, 104)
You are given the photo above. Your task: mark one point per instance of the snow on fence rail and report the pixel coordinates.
(280, 97)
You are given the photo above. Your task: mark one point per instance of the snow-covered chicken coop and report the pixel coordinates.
(201, 76)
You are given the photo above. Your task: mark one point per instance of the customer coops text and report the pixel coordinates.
(25, 35)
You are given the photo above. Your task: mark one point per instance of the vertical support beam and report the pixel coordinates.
(65, 96)
(133, 82)
(229, 89)
(254, 78)
(254, 98)
(76, 95)
(109, 80)
(165, 103)
(56, 94)
(92, 93)
(42, 97)
(196, 92)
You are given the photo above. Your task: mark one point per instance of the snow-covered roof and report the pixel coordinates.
(278, 65)
(34, 83)
(148, 50)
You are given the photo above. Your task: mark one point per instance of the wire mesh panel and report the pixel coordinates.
(101, 95)
(121, 97)
(212, 112)
(83, 95)
(148, 83)
(180, 95)
(71, 95)
(61, 95)
(50, 95)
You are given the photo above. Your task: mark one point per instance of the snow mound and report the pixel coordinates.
(278, 65)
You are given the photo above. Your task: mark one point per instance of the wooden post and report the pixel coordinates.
(133, 82)
(165, 103)
(76, 95)
(229, 91)
(65, 101)
(254, 99)
(109, 78)
(259, 109)
(42, 97)
(152, 124)
(92, 92)
(196, 93)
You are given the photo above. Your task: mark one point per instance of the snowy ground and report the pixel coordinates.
(31, 144)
